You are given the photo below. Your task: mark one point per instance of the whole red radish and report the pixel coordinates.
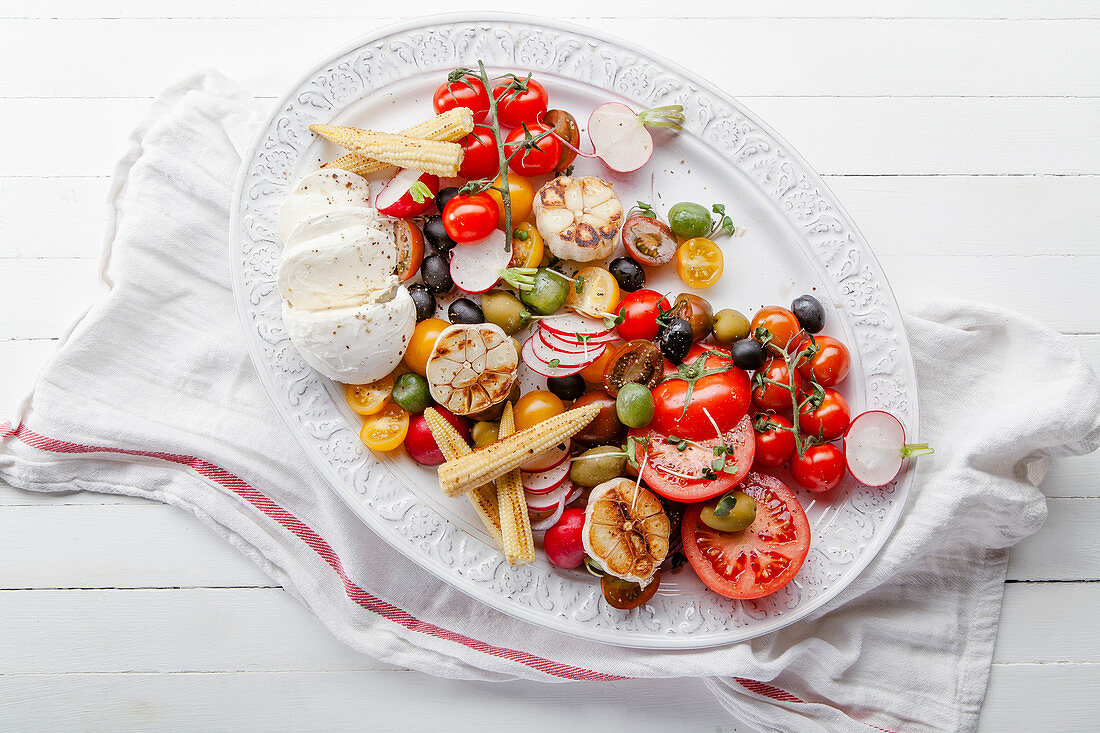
(563, 543)
(420, 444)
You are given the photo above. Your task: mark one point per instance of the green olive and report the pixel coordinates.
(548, 293)
(687, 220)
(484, 433)
(505, 310)
(597, 465)
(410, 393)
(634, 405)
(742, 514)
(730, 326)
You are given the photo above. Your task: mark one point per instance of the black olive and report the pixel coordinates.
(676, 340)
(567, 388)
(809, 312)
(435, 270)
(445, 195)
(465, 310)
(749, 353)
(628, 273)
(423, 300)
(437, 236)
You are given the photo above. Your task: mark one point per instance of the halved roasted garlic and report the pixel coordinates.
(472, 367)
(626, 530)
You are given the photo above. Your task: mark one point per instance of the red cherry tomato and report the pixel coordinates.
(563, 542)
(640, 310)
(465, 92)
(420, 444)
(480, 159)
(830, 365)
(773, 396)
(666, 466)
(470, 218)
(758, 560)
(821, 468)
(534, 161)
(724, 396)
(782, 324)
(776, 445)
(525, 104)
(830, 420)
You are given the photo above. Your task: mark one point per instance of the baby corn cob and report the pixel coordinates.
(497, 459)
(450, 126)
(484, 497)
(515, 522)
(431, 156)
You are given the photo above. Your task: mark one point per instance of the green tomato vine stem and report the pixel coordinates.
(502, 159)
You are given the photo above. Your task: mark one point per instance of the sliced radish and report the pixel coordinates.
(875, 447)
(556, 357)
(545, 501)
(548, 459)
(476, 267)
(577, 491)
(543, 368)
(397, 198)
(619, 135)
(551, 520)
(544, 482)
(571, 324)
(565, 344)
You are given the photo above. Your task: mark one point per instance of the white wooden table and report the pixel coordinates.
(963, 136)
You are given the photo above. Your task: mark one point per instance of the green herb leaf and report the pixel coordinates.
(578, 283)
(647, 210)
(720, 450)
(555, 363)
(568, 171)
(725, 506)
(520, 235)
(420, 192)
(718, 464)
(718, 208)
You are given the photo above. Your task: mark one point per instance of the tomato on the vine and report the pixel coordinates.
(775, 445)
(470, 217)
(465, 92)
(782, 324)
(830, 365)
(480, 159)
(820, 468)
(682, 474)
(759, 559)
(639, 311)
(829, 420)
(521, 195)
(774, 396)
(539, 159)
(690, 405)
(519, 101)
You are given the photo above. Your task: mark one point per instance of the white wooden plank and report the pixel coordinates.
(1066, 547)
(338, 701)
(116, 546)
(849, 57)
(1048, 622)
(1042, 697)
(839, 136)
(1075, 476)
(986, 215)
(167, 631)
(51, 295)
(350, 9)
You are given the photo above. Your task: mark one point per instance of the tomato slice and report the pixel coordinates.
(386, 429)
(756, 561)
(663, 461)
(699, 262)
(367, 399)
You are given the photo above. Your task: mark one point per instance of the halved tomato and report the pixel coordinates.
(410, 249)
(756, 561)
(679, 474)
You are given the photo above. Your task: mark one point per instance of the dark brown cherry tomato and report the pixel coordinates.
(624, 595)
(637, 361)
(605, 428)
(697, 312)
(565, 127)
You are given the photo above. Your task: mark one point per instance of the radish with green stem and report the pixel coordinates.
(875, 448)
(620, 136)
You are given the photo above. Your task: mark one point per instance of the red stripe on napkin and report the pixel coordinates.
(367, 601)
(773, 692)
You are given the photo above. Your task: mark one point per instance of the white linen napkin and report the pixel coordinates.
(153, 394)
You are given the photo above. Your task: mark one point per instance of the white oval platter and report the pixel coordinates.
(799, 240)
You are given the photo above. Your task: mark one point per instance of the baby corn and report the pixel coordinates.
(515, 522)
(431, 156)
(450, 126)
(484, 497)
(497, 459)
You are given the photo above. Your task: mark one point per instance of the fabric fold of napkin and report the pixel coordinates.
(152, 394)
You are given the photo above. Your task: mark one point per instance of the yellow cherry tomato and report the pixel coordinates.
(594, 289)
(534, 407)
(386, 429)
(593, 373)
(422, 342)
(699, 262)
(527, 246)
(367, 399)
(523, 194)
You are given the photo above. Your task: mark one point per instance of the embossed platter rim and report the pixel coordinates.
(718, 127)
